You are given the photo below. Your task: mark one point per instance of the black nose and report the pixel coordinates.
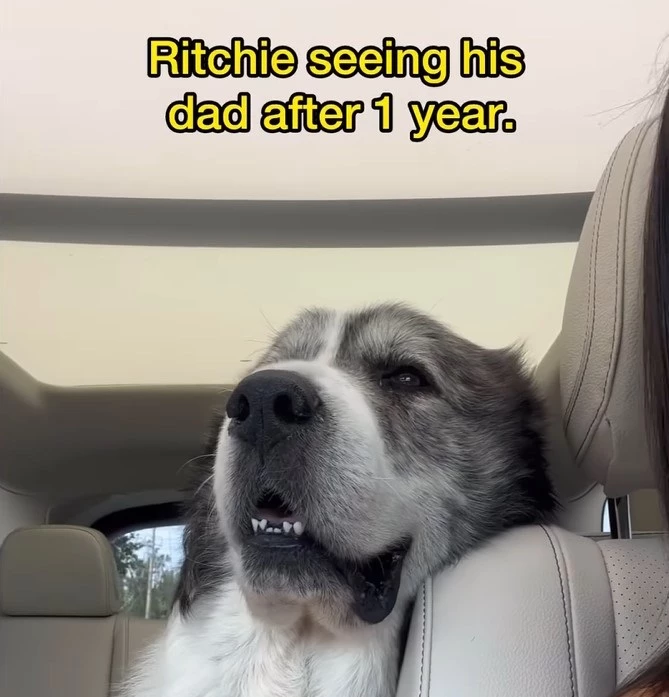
(269, 405)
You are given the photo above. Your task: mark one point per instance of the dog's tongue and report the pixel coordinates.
(375, 586)
(274, 509)
(274, 516)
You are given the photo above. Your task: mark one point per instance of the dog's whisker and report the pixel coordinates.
(333, 450)
(203, 564)
(194, 459)
(249, 356)
(269, 324)
(204, 483)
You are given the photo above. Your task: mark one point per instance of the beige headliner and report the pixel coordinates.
(70, 442)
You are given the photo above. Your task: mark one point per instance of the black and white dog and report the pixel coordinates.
(364, 452)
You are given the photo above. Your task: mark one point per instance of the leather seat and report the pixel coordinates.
(545, 611)
(60, 631)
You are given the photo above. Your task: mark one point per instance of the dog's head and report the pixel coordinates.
(367, 449)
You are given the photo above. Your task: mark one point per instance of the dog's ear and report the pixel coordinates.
(527, 441)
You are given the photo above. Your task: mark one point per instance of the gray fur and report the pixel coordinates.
(442, 468)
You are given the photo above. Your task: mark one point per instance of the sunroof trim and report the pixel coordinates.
(317, 224)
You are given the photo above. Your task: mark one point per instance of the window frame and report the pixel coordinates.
(158, 515)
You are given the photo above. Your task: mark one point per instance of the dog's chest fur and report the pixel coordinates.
(225, 652)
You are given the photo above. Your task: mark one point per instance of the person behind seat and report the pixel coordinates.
(653, 680)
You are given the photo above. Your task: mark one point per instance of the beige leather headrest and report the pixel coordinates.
(600, 350)
(58, 571)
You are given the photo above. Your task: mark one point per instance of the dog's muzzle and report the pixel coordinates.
(272, 415)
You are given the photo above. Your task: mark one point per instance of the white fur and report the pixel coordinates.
(359, 423)
(332, 339)
(267, 638)
(225, 651)
(233, 646)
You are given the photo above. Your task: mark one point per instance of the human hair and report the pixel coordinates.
(653, 679)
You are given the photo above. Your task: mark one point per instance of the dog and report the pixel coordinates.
(363, 452)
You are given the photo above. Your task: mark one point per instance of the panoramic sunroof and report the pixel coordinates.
(96, 314)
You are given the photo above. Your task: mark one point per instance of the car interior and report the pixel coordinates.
(84, 466)
(124, 322)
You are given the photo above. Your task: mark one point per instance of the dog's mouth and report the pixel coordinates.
(278, 532)
(274, 522)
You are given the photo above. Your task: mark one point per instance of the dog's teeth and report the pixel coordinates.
(284, 528)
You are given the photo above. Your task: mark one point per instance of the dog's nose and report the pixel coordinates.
(269, 405)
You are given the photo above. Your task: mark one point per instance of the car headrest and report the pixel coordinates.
(58, 571)
(597, 359)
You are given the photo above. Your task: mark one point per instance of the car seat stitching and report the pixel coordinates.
(564, 612)
(422, 645)
(592, 296)
(624, 198)
(609, 576)
(587, 335)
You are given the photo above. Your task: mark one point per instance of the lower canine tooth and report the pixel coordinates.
(287, 526)
(298, 528)
(262, 524)
(255, 524)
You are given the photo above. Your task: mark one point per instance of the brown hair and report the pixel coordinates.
(653, 680)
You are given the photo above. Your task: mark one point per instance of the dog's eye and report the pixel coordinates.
(404, 378)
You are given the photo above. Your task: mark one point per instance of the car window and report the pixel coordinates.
(148, 563)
